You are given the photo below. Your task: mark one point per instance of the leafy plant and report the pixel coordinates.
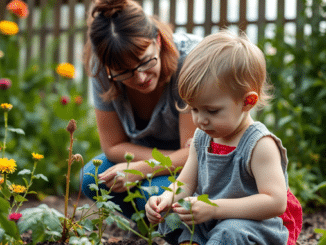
(298, 112)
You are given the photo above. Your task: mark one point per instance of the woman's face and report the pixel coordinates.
(144, 76)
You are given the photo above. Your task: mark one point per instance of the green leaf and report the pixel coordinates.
(185, 204)
(93, 187)
(166, 188)
(132, 196)
(158, 156)
(19, 198)
(173, 221)
(179, 190)
(38, 176)
(24, 171)
(156, 234)
(9, 226)
(4, 206)
(151, 190)
(180, 183)
(133, 171)
(172, 179)
(17, 130)
(119, 220)
(86, 206)
(204, 198)
(138, 216)
(93, 175)
(87, 225)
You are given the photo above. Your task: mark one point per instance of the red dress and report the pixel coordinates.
(292, 217)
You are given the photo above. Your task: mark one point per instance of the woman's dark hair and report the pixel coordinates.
(118, 33)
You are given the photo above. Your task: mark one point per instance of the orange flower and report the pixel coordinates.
(78, 100)
(18, 8)
(66, 70)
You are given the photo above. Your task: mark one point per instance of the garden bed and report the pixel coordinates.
(115, 236)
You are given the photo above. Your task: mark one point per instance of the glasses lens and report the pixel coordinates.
(147, 65)
(123, 76)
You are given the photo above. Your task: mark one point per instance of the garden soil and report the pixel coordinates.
(115, 236)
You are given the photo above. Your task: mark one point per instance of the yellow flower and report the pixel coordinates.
(1, 181)
(17, 188)
(66, 70)
(6, 106)
(37, 156)
(7, 166)
(8, 27)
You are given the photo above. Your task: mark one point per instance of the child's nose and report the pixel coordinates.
(202, 120)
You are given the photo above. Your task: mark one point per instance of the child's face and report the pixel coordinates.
(218, 114)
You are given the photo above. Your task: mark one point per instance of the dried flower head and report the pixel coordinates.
(18, 8)
(17, 188)
(15, 217)
(7, 166)
(64, 100)
(66, 70)
(72, 126)
(97, 162)
(8, 27)
(78, 100)
(6, 106)
(78, 158)
(5, 83)
(37, 156)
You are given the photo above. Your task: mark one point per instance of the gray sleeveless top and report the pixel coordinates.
(230, 176)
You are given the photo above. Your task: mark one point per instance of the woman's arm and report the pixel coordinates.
(115, 143)
(272, 199)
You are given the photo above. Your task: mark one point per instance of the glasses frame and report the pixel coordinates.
(138, 68)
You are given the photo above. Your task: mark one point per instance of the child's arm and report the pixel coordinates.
(272, 199)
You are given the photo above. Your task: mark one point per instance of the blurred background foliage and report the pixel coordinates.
(297, 114)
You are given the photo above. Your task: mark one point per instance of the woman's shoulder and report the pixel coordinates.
(185, 42)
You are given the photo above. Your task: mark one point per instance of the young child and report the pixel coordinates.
(238, 162)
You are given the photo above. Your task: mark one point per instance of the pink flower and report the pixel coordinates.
(5, 83)
(64, 100)
(15, 216)
(78, 100)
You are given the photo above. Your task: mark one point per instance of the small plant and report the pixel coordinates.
(322, 240)
(13, 195)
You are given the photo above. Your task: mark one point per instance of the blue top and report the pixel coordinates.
(230, 176)
(162, 130)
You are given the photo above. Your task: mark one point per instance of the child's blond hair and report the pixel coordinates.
(233, 62)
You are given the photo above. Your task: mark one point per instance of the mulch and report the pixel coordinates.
(115, 236)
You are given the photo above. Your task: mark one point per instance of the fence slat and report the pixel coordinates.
(261, 20)
(29, 33)
(56, 29)
(190, 15)
(43, 33)
(208, 17)
(280, 19)
(72, 32)
(243, 15)
(2, 9)
(223, 14)
(173, 6)
(156, 8)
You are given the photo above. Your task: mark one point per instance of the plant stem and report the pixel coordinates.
(67, 188)
(5, 138)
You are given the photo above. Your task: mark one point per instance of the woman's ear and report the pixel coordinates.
(250, 99)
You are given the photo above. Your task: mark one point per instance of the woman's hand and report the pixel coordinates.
(201, 211)
(155, 205)
(111, 174)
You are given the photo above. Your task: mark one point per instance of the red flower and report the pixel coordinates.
(15, 216)
(78, 100)
(5, 83)
(18, 8)
(64, 100)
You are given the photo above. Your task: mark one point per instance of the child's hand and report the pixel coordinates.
(201, 211)
(154, 206)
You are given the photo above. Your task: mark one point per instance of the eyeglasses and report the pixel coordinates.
(130, 73)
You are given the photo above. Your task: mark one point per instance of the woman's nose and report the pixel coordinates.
(140, 76)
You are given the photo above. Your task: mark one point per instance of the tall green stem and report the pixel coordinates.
(6, 128)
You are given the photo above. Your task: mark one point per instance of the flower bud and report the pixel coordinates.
(72, 126)
(78, 158)
(78, 100)
(5, 83)
(97, 162)
(64, 100)
(129, 156)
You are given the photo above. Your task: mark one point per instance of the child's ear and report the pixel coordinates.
(249, 100)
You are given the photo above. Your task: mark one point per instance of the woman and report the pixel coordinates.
(134, 60)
